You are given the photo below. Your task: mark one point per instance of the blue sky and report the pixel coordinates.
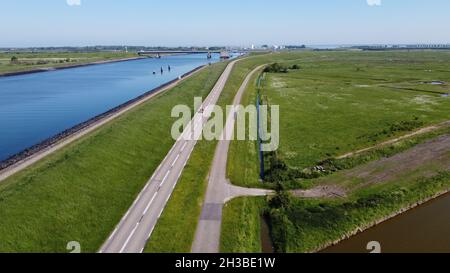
(213, 22)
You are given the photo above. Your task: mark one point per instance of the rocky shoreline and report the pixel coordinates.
(24, 155)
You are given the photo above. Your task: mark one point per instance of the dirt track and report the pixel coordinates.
(392, 141)
(423, 160)
(431, 156)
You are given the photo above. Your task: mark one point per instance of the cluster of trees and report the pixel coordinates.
(14, 59)
(280, 173)
(295, 46)
(278, 68)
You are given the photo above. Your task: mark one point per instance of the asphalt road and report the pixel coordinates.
(220, 190)
(136, 227)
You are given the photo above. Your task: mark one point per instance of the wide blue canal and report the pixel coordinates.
(35, 107)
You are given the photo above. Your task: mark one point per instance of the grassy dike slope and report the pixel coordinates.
(82, 191)
(176, 228)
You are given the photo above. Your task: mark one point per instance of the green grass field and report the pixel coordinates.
(336, 103)
(81, 192)
(341, 102)
(347, 101)
(30, 61)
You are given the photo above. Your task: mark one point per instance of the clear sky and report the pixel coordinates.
(213, 22)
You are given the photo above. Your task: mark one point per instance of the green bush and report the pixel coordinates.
(14, 59)
(276, 68)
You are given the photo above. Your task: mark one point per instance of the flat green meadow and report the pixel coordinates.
(336, 103)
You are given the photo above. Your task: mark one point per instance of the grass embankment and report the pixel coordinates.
(241, 231)
(175, 230)
(30, 61)
(340, 102)
(81, 192)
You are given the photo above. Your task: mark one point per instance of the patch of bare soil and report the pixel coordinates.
(321, 192)
(423, 160)
(428, 157)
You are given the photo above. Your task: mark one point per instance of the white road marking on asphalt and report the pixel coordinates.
(173, 147)
(150, 203)
(164, 179)
(137, 198)
(179, 175)
(151, 231)
(175, 161)
(128, 239)
(126, 214)
(112, 235)
(157, 170)
(184, 146)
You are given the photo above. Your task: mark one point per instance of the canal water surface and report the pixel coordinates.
(35, 107)
(425, 229)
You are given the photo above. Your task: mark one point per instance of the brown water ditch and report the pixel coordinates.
(425, 229)
(266, 239)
